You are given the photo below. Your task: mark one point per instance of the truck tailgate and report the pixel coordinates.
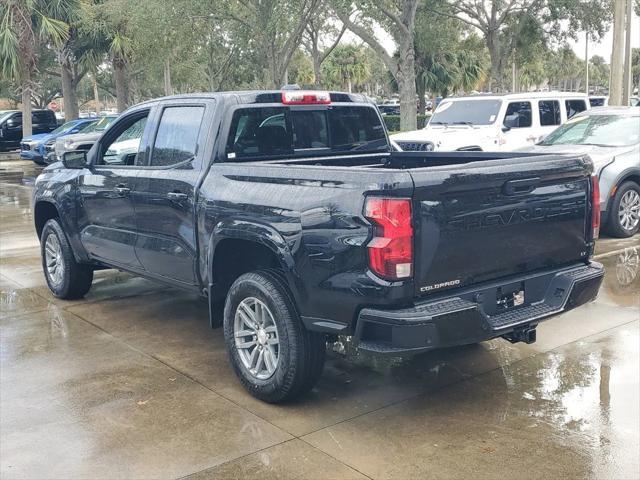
(492, 219)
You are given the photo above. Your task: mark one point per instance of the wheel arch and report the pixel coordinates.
(237, 247)
(44, 211)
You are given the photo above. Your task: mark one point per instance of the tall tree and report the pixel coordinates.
(444, 62)
(397, 17)
(491, 17)
(320, 37)
(274, 28)
(23, 25)
(347, 66)
(110, 22)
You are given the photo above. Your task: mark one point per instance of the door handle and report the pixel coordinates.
(121, 190)
(177, 196)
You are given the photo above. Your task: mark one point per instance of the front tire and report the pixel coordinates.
(66, 278)
(624, 216)
(271, 352)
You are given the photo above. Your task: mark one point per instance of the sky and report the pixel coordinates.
(603, 48)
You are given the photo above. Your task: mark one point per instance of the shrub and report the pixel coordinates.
(393, 121)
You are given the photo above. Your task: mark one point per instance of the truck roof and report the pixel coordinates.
(260, 96)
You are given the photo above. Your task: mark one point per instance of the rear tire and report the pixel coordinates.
(624, 212)
(66, 278)
(276, 337)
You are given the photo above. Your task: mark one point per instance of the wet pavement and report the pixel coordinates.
(130, 382)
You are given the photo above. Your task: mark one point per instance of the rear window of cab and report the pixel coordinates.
(274, 131)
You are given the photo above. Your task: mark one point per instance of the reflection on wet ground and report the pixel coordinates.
(130, 382)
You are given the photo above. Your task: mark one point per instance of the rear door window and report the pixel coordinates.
(177, 137)
(549, 112)
(574, 107)
(270, 131)
(518, 115)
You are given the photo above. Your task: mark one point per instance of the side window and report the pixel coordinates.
(549, 112)
(124, 148)
(177, 137)
(518, 115)
(16, 120)
(574, 106)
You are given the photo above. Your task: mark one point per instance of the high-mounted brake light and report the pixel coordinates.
(391, 248)
(305, 97)
(595, 207)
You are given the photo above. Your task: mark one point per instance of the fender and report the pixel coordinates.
(64, 200)
(622, 176)
(262, 234)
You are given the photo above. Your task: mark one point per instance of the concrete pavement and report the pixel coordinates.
(130, 382)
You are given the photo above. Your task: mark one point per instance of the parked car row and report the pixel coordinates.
(40, 147)
(548, 122)
(43, 121)
(493, 122)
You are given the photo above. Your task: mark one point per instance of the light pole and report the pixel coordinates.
(586, 62)
(626, 80)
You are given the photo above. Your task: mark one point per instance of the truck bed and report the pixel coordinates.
(480, 216)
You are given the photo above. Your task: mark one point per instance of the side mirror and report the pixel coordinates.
(506, 128)
(11, 123)
(75, 159)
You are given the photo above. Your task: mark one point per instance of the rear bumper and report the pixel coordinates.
(464, 319)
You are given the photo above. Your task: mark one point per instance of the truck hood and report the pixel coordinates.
(447, 137)
(600, 156)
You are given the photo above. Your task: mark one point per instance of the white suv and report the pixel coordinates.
(493, 122)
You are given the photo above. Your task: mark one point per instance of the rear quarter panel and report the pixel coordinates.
(312, 218)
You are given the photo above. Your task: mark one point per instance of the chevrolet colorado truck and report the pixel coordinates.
(290, 212)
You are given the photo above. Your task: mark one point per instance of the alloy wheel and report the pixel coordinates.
(54, 259)
(629, 210)
(256, 338)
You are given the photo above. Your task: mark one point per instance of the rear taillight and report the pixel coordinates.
(595, 207)
(391, 248)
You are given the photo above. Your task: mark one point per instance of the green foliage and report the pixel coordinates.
(393, 121)
(445, 62)
(346, 67)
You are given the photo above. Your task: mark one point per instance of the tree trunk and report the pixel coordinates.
(317, 70)
(493, 45)
(121, 84)
(69, 94)
(406, 78)
(96, 96)
(168, 90)
(27, 127)
(422, 103)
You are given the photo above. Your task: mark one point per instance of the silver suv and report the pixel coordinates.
(611, 137)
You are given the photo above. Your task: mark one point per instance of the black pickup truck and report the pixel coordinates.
(290, 212)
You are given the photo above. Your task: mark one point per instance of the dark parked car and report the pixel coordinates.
(291, 214)
(43, 121)
(39, 146)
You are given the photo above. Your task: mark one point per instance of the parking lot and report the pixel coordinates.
(131, 382)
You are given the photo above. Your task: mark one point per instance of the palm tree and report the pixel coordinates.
(23, 25)
(109, 24)
(348, 66)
